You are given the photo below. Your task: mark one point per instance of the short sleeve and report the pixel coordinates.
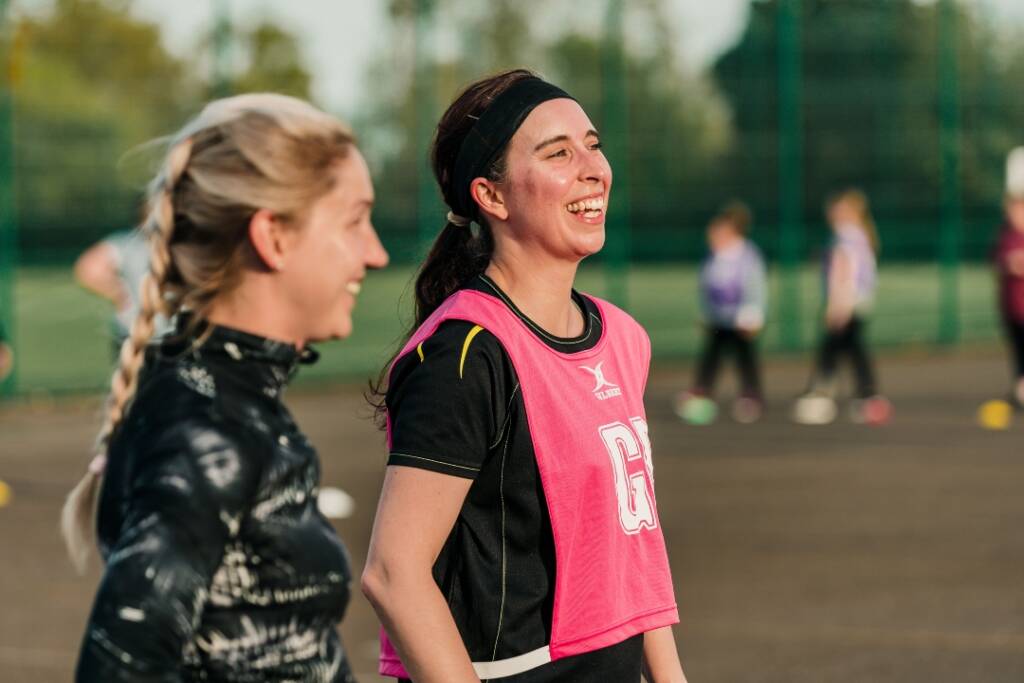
(447, 400)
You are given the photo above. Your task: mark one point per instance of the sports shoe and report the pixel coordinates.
(695, 408)
(875, 410)
(747, 409)
(814, 408)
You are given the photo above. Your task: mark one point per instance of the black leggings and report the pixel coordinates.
(1015, 336)
(719, 340)
(848, 341)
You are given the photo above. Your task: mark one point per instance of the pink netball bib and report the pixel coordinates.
(586, 418)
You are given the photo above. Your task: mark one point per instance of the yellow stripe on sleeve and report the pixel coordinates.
(419, 350)
(465, 346)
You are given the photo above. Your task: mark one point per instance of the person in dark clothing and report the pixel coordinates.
(6, 354)
(517, 535)
(1009, 264)
(219, 566)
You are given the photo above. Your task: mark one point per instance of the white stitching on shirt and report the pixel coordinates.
(508, 416)
(504, 544)
(439, 462)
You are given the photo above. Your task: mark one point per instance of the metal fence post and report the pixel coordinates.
(615, 106)
(8, 209)
(428, 218)
(790, 172)
(949, 142)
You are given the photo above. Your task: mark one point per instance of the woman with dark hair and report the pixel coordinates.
(517, 536)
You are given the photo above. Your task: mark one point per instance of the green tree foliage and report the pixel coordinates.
(92, 82)
(677, 124)
(92, 85)
(870, 111)
(273, 62)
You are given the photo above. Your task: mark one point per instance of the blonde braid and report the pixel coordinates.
(239, 155)
(77, 517)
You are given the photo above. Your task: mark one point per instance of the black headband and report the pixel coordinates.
(492, 131)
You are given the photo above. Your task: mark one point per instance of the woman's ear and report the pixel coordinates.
(267, 237)
(489, 198)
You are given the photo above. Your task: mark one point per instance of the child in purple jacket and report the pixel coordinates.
(732, 296)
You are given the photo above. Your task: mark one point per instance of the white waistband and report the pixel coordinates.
(513, 665)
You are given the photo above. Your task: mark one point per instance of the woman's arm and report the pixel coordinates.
(415, 515)
(97, 271)
(661, 660)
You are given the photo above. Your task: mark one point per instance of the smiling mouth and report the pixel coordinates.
(354, 288)
(588, 208)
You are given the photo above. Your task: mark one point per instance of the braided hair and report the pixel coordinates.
(239, 155)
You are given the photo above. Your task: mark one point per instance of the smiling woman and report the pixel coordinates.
(517, 536)
(218, 565)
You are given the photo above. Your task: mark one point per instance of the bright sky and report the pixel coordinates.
(340, 37)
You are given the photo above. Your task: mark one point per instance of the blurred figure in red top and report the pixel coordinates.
(1009, 262)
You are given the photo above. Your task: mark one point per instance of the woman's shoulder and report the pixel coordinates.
(448, 398)
(189, 403)
(447, 351)
(174, 387)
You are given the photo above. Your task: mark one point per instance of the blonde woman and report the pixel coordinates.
(218, 565)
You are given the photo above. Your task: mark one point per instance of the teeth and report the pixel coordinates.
(592, 204)
(354, 288)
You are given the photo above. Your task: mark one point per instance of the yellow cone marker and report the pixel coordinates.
(5, 493)
(995, 414)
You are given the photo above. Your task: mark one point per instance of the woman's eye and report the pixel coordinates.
(559, 153)
(596, 145)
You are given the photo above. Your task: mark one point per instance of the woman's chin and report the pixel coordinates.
(340, 330)
(591, 243)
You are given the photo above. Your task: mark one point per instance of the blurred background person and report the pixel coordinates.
(850, 275)
(113, 268)
(6, 354)
(219, 565)
(1009, 263)
(733, 293)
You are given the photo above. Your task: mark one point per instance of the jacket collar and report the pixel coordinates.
(272, 362)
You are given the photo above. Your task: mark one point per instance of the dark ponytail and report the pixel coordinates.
(460, 252)
(456, 257)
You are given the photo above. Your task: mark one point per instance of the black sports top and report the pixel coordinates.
(219, 565)
(497, 567)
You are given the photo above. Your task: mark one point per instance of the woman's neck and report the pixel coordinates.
(542, 291)
(248, 308)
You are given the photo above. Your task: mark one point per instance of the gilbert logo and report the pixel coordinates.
(603, 389)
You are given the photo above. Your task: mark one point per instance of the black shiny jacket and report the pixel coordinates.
(219, 566)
